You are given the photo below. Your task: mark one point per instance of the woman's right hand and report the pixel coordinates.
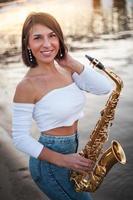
(71, 161)
(77, 162)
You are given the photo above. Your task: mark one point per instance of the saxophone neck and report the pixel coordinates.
(118, 81)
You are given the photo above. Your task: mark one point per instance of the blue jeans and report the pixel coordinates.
(55, 181)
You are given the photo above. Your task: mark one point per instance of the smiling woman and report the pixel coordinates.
(52, 94)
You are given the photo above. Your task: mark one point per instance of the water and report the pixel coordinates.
(101, 29)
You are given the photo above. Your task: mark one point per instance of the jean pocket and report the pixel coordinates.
(34, 167)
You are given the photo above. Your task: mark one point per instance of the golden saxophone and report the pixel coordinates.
(90, 181)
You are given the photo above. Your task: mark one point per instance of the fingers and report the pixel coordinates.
(78, 163)
(83, 164)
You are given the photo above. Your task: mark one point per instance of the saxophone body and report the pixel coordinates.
(90, 181)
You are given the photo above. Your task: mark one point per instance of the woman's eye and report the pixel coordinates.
(36, 38)
(53, 35)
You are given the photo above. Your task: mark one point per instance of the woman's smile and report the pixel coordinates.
(46, 52)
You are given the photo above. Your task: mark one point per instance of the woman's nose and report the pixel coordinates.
(46, 43)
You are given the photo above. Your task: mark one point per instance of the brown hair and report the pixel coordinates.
(46, 20)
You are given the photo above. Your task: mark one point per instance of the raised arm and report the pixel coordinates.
(92, 81)
(85, 76)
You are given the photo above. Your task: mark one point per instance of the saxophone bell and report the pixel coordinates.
(114, 154)
(118, 152)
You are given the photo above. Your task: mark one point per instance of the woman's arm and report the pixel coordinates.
(92, 81)
(86, 77)
(72, 161)
(22, 110)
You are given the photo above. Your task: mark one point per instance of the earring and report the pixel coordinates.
(60, 53)
(30, 55)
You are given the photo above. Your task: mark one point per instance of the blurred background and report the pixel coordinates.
(100, 28)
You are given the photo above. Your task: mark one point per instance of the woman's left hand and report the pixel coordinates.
(69, 62)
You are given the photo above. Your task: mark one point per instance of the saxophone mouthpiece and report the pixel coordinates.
(95, 62)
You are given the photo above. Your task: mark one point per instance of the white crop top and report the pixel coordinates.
(60, 107)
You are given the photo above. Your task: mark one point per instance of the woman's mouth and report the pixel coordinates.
(46, 53)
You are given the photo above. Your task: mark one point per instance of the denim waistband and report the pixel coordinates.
(52, 138)
(62, 144)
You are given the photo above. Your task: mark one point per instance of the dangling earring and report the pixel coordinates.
(60, 53)
(30, 55)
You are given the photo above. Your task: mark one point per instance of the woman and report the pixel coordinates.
(51, 93)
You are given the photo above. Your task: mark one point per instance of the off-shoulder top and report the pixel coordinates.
(60, 107)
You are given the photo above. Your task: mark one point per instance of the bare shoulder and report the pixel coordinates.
(24, 92)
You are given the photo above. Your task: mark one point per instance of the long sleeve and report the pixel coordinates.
(21, 125)
(92, 81)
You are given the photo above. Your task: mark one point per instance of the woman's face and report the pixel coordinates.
(43, 43)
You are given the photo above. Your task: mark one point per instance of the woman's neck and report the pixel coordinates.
(45, 69)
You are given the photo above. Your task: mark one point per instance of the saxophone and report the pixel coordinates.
(90, 181)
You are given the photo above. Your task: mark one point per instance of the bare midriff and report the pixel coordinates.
(62, 131)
